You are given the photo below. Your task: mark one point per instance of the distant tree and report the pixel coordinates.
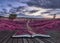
(53, 12)
(54, 16)
(12, 16)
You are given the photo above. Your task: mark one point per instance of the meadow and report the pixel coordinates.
(38, 26)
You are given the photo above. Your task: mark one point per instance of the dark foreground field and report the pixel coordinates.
(7, 38)
(55, 35)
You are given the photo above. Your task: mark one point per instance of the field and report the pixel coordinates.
(51, 27)
(37, 26)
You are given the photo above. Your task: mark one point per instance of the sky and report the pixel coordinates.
(4, 4)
